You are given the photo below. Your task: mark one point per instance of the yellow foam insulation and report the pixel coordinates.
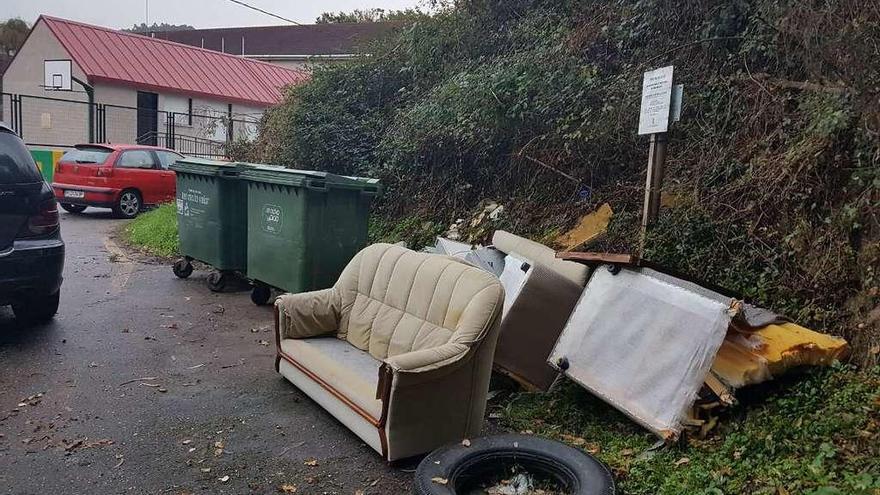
(591, 226)
(755, 356)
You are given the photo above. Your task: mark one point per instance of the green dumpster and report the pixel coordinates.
(303, 226)
(211, 218)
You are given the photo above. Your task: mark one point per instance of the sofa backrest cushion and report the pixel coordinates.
(395, 300)
(536, 252)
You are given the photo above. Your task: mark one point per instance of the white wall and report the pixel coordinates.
(45, 121)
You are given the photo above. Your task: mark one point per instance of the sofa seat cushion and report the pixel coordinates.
(335, 363)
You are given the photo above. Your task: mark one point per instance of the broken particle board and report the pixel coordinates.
(591, 227)
(755, 356)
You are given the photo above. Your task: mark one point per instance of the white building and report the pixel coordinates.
(141, 89)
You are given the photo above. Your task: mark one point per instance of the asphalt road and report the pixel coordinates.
(151, 384)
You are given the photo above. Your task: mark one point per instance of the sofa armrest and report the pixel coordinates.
(424, 361)
(444, 387)
(308, 314)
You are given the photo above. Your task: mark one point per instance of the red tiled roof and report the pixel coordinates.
(107, 55)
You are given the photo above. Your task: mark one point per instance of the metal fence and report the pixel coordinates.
(56, 122)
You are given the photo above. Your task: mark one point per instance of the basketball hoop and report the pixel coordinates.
(57, 75)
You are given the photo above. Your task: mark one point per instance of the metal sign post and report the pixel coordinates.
(657, 108)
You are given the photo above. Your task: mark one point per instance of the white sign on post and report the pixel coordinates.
(656, 98)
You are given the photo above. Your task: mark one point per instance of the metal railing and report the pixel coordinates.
(58, 122)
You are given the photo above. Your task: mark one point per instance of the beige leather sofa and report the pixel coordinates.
(399, 350)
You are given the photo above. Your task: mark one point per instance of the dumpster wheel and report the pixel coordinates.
(261, 294)
(217, 281)
(182, 268)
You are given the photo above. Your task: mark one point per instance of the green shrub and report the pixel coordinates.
(772, 171)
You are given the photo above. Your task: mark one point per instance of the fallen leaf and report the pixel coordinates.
(121, 460)
(287, 488)
(99, 443)
(223, 479)
(146, 378)
(576, 441)
(311, 462)
(218, 448)
(163, 390)
(439, 480)
(186, 442)
(206, 470)
(263, 342)
(191, 450)
(683, 460)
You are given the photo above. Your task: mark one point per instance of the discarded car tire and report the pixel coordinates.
(459, 469)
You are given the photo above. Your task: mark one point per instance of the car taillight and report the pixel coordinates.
(44, 221)
(104, 171)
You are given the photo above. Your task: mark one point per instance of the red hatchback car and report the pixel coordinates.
(119, 176)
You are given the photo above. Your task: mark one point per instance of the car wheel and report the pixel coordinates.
(532, 463)
(182, 268)
(128, 205)
(261, 294)
(36, 309)
(74, 208)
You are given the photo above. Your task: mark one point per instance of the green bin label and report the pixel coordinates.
(273, 219)
(191, 202)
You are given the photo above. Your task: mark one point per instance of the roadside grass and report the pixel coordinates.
(155, 231)
(816, 433)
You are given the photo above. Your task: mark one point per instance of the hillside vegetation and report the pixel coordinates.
(773, 173)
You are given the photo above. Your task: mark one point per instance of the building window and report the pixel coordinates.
(189, 111)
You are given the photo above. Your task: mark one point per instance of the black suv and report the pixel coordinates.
(31, 249)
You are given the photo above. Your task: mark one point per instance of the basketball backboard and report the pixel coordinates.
(57, 74)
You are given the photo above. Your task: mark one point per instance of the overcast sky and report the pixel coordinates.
(198, 13)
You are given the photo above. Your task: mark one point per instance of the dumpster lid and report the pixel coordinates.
(205, 166)
(306, 178)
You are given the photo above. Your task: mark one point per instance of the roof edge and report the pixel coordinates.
(45, 17)
(167, 89)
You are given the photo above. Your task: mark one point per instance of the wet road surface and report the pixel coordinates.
(145, 383)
